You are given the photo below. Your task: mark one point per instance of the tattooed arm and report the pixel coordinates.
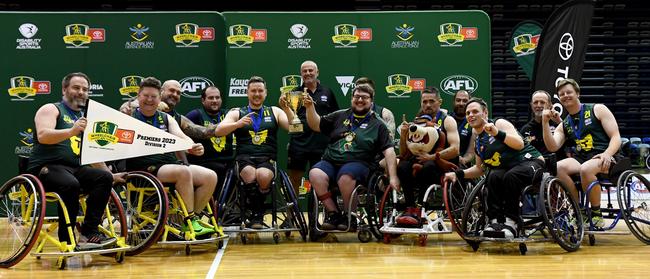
(196, 131)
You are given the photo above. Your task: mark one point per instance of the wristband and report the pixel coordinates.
(460, 174)
(501, 136)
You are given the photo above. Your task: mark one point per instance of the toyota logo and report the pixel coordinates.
(565, 49)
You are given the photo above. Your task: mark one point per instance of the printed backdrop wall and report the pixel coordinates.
(403, 52)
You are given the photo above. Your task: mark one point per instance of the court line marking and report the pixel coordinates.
(217, 261)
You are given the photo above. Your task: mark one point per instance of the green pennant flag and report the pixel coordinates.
(523, 43)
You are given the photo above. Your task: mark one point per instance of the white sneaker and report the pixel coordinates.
(512, 224)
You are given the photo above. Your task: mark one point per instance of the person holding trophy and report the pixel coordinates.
(306, 147)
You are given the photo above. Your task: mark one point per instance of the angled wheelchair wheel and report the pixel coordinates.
(22, 209)
(145, 203)
(454, 195)
(634, 201)
(387, 210)
(228, 208)
(113, 223)
(561, 214)
(474, 217)
(371, 203)
(315, 215)
(293, 210)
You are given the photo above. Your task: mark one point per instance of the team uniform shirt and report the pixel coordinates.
(497, 155)
(353, 138)
(586, 131)
(464, 134)
(66, 152)
(534, 135)
(217, 149)
(308, 140)
(160, 121)
(260, 138)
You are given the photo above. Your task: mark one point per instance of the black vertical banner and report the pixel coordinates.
(563, 45)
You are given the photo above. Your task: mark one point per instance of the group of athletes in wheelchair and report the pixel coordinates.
(510, 193)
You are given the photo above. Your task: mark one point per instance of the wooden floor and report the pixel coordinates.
(613, 256)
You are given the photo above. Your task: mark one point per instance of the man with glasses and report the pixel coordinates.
(356, 136)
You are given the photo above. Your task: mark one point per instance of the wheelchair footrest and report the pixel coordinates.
(191, 242)
(77, 253)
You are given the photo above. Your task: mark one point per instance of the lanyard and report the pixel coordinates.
(351, 119)
(72, 112)
(577, 129)
(153, 121)
(212, 120)
(257, 118)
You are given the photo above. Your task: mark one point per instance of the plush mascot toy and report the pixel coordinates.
(423, 137)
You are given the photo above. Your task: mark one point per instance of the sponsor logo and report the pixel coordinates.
(105, 132)
(79, 35)
(525, 44)
(139, 37)
(454, 34)
(290, 82)
(28, 31)
(298, 42)
(191, 87)
(565, 47)
(25, 142)
(238, 87)
(348, 35)
(242, 36)
(189, 34)
(96, 90)
(23, 88)
(346, 83)
(130, 86)
(451, 84)
(405, 36)
(402, 85)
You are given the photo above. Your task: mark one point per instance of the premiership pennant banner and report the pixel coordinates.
(563, 45)
(112, 135)
(523, 43)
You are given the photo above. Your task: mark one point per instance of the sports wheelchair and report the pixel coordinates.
(633, 199)
(286, 217)
(555, 214)
(156, 212)
(365, 197)
(25, 224)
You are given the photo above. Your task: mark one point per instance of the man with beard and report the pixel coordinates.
(356, 137)
(532, 131)
(466, 152)
(55, 161)
(593, 130)
(255, 126)
(306, 148)
(170, 97)
(414, 186)
(195, 184)
(384, 113)
(512, 163)
(218, 155)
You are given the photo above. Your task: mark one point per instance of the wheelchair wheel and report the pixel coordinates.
(291, 199)
(474, 217)
(454, 195)
(561, 214)
(145, 203)
(372, 199)
(113, 223)
(314, 212)
(387, 211)
(228, 208)
(22, 209)
(634, 201)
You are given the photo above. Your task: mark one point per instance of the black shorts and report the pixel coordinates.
(153, 169)
(255, 161)
(298, 160)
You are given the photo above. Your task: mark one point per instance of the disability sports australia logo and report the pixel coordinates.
(23, 88)
(79, 35)
(105, 132)
(290, 82)
(130, 86)
(454, 34)
(243, 36)
(28, 31)
(299, 41)
(190, 34)
(348, 35)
